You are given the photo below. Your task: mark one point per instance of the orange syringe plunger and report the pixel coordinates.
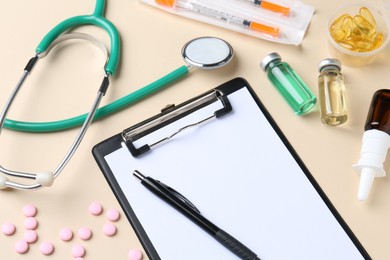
(273, 7)
(169, 3)
(272, 31)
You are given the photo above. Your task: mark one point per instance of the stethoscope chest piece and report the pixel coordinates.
(207, 52)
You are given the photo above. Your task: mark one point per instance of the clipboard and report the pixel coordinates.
(225, 153)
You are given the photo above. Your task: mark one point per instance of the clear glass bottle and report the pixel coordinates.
(331, 93)
(375, 142)
(288, 83)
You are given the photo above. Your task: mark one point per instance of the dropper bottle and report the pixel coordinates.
(376, 142)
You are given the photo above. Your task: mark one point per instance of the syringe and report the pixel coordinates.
(197, 8)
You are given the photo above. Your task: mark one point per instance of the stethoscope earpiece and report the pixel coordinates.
(45, 179)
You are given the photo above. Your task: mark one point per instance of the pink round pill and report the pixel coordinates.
(109, 229)
(29, 210)
(30, 236)
(135, 254)
(84, 233)
(78, 251)
(66, 234)
(95, 208)
(113, 215)
(46, 248)
(30, 223)
(21, 247)
(8, 228)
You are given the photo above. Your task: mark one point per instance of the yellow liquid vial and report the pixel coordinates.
(331, 92)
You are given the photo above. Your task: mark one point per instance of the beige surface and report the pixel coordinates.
(64, 84)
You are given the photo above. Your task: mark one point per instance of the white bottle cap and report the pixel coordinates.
(370, 165)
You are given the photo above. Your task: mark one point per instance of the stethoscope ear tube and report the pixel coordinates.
(49, 41)
(45, 179)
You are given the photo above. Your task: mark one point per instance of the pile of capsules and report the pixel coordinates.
(357, 33)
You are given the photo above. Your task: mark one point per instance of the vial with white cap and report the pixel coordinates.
(375, 143)
(331, 93)
(288, 83)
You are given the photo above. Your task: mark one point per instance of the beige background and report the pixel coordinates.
(64, 84)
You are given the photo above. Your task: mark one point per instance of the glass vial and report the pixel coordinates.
(288, 83)
(331, 93)
(375, 142)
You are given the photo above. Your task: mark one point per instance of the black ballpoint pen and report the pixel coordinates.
(179, 202)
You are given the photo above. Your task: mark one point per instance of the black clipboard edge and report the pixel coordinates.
(99, 151)
(114, 143)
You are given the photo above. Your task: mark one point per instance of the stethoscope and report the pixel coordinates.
(203, 53)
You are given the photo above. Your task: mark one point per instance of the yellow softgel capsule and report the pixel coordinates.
(347, 45)
(341, 27)
(366, 14)
(378, 40)
(338, 22)
(364, 25)
(361, 43)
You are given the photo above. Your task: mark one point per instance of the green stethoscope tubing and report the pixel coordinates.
(96, 19)
(54, 126)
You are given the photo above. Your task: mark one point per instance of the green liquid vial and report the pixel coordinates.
(331, 93)
(289, 84)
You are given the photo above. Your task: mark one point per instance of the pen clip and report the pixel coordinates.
(180, 196)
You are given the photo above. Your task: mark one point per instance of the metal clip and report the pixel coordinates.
(170, 115)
